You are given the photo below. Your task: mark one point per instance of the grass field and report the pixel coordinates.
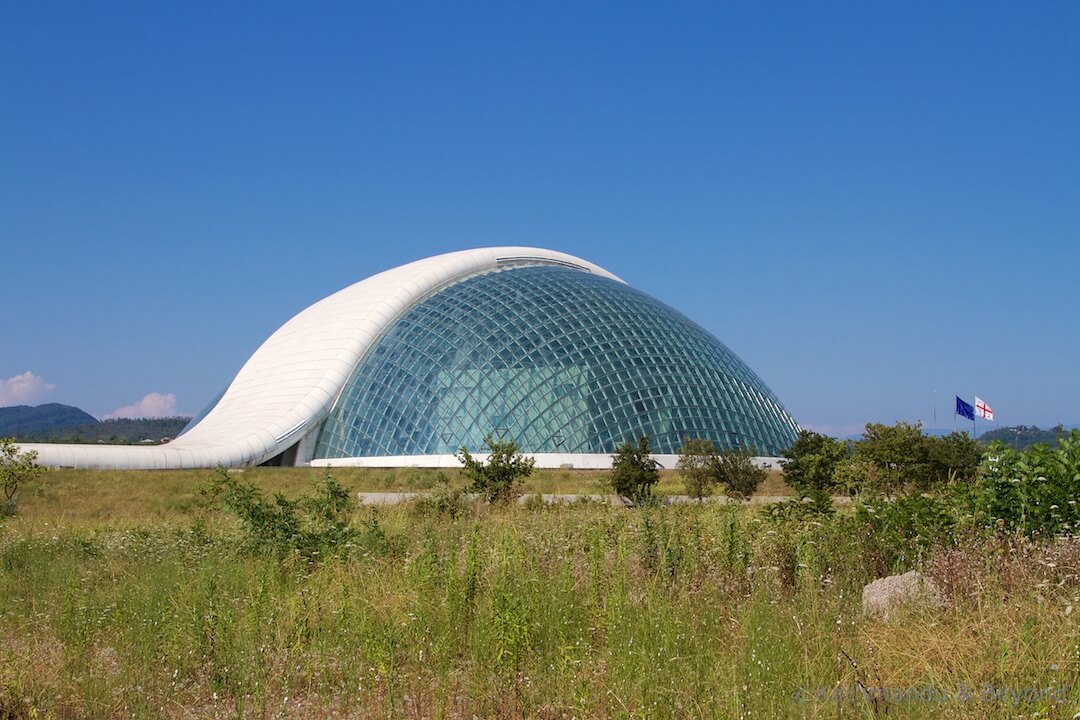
(79, 496)
(125, 595)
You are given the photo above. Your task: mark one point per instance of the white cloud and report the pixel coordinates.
(153, 405)
(23, 389)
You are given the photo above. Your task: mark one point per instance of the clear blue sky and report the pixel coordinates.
(866, 202)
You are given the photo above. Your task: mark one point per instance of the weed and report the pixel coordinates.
(707, 610)
(310, 526)
(444, 500)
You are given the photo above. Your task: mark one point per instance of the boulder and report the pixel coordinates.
(883, 597)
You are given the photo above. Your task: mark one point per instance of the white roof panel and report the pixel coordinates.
(297, 374)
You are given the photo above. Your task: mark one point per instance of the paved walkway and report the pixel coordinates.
(393, 498)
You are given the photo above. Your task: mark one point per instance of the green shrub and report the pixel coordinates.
(634, 472)
(810, 462)
(312, 526)
(16, 468)
(907, 527)
(697, 464)
(736, 471)
(506, 468)
(956, 457)
(854, 475)
(903, 459)
(444, 500)
(1034, 492)
(808, 507)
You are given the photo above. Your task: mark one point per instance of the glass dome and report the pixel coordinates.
(557, 359)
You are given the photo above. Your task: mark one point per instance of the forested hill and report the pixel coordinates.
(121, 431)
(23, 419)
(65, 424)
(1023, 436)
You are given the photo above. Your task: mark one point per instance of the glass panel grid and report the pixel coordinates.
(558, 359)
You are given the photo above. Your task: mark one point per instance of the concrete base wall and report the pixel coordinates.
(576, 461)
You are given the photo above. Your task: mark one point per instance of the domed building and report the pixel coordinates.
(409, 365)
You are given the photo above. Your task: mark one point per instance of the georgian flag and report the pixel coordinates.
(982, 409)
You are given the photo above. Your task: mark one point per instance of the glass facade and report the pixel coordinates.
(559, 360)
(204, 412)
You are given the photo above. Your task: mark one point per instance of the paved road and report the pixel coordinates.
(393, 498)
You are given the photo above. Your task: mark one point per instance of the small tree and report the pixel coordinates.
(811, 462)
(854, 475)
(506, 468)
(956, 457)
(902, 456)
(736, 471)
(697, 463)
(314, 527)
(16, 468)
(634, 472)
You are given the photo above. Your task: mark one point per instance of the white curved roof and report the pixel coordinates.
(289, 385)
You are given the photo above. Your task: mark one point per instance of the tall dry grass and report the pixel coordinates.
(583, 611)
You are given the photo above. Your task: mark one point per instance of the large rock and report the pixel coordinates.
(885, 596)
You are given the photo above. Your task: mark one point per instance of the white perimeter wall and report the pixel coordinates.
(577, 461)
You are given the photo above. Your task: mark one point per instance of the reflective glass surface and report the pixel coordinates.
(204, 412)
(559, 360)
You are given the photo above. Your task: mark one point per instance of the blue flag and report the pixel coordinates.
(965, 410)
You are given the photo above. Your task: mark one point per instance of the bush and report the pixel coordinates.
(16, 468)
(904, 459)
(957, 456)
(444, 500)
(313, 526)
(634, 472)
(854, 475)
(736, 471)
(908, 527)
(811, 463)
(697, 463)
(808, 508)
(899, 455)
(506, 468)
(1034, 492)
(888, 460)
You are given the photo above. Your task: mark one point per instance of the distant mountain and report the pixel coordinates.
(56, 423)
(25, 420)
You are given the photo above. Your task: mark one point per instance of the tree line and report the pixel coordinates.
(118, 431)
